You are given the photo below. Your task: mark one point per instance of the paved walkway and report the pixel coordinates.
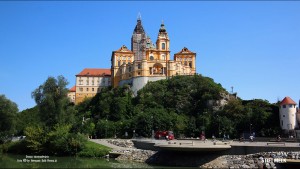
(105, 143)
(197, 145)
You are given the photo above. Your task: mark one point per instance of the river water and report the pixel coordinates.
(30, 161)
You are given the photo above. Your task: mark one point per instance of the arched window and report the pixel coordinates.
(163, 57)
(151, 58)
(163, 46)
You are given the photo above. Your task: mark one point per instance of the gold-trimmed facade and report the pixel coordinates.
(148, 60)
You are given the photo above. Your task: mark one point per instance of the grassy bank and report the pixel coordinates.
(90, 149)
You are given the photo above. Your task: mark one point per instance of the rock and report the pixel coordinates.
(245, 166)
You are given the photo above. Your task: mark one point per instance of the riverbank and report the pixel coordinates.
(271, 159)
(126, 150)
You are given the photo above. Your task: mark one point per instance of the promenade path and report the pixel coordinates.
(197, 145)
(112, 146)
(218, 145)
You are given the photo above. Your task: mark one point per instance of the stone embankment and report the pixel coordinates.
(128, 151)
(121, 143)
(258, 160)
(136, 155)
(203, 160)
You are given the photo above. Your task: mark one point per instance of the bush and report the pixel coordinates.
(35, 139)
(92, 149)
(61, 142)
(75, 144)
(18, 147)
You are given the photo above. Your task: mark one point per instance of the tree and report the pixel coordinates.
(8, 113)
(53, 103)
(28, 117)
(35, 138)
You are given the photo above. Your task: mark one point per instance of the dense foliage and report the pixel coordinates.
(8, 113)
(179, 104)
(48, 127)
(183, 104)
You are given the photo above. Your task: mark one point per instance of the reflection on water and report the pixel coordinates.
(23, 161)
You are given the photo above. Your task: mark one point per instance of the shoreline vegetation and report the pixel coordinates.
(89, 149)
(186, 105)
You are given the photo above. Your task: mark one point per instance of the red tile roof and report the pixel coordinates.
(287, 100)
(73, 89)
(94, 72)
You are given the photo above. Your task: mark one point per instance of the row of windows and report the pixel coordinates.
(290, 106)
(105, 80)
(184, 59)
(123, 58)
(87, 89)
(186, 64)
(163, 57)
(284, 115)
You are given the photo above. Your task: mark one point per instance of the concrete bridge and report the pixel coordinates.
(221, 147)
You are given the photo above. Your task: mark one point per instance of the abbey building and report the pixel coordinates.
(147, 61)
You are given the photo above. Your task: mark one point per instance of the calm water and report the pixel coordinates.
(21, 161)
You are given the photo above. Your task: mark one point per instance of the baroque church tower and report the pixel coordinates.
(147, 62)
(138, 41)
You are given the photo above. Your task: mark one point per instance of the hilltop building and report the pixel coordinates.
(72, 94)
(147, 61)
(136, 67)
(89, 82)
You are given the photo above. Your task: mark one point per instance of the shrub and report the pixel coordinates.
(35, 139)
(61, 142)
(92, 149)
(18, 147)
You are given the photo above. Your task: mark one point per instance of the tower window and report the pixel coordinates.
(151, 58)
(283, 106)
(139, 66)
(190, 64)
(163, 46)
(119, 63)
(283, 115)
(163, 57)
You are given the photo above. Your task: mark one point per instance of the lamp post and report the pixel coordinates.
(106, 128)
(152, 131)
(203, 121)
(250, 128)
(218, 125)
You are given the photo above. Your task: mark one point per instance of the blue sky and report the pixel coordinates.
(250, 45)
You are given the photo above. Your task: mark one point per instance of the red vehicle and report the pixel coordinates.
(169, 135)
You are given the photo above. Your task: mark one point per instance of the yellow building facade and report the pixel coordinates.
(90, 81)
(147, 61)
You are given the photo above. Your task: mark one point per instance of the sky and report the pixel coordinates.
(251, 46)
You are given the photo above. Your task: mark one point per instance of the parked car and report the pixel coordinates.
(169, 135)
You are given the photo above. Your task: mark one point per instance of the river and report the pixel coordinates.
(30, 161)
